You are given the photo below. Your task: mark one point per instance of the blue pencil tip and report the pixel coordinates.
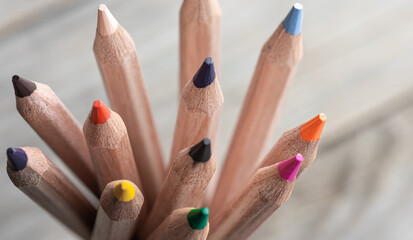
(205, 74)
(16, 159)
(292, 22)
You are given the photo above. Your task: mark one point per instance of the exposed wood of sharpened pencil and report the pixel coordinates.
(268, 190)
(108, 141)
(199, 36)
(46, 114)
(199, 110)
(274, 71)
(118, 63)
(184, 185)
(183, 224)
(119, 208)
(36, 176)
(303, 139)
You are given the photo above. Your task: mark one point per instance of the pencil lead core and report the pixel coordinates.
(205, 74)
(16, 159)
(22, 87)
(288, 169)
(124, 191)
(107, 23)
(311, 130)
(201, 152)
(100, 113)
(292, 22)
(198, 218)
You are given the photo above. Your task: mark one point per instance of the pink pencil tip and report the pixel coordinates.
(288, 169)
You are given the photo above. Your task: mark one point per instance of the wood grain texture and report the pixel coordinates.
(46, 185)
(184, 186)
(264, 194)
(47, 115)
(176, 227)
(289, 145)
(120, 69)
(274, 71)
(116, 219)
(199, 36)
(198, 116)
(111, 151)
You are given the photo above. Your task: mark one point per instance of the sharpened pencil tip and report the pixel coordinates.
(292, 22)
(100, 113)
(198, 218)
(288, 169)
(201, 152)
(311, 130)
(107, 23)
(124, 191)
(16, 159)
(22, 87)
(205, 74)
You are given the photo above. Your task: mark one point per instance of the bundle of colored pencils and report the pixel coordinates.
(118, 157)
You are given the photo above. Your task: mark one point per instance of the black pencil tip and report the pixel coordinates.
(22, 87)
(201, 152)
(16, 159)
(205, 74)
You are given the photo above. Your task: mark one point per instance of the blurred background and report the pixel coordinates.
(356, 68)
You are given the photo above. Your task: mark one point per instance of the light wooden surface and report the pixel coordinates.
(119, 65)
(356, 68)
(198, 116)
(111, 151)
(273, 74)
(117, 218)
(176, 226)
(200, 37)
(184, 186)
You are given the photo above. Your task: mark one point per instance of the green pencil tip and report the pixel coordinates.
(198, 218)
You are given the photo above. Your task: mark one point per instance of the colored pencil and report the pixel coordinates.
(46, 114)
(303, 139)
(108, 141)
(274, 71)
(268, 190)
(199, 110)
(37, 177)
(116, 56)
(185, 183)
(119, 208)
(199, 36)
(183, 224)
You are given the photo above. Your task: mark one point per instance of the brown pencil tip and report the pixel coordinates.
(22, 87)
(107, 24)
(100, 113)
(311, 130)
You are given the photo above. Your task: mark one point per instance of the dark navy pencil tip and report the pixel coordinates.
(205, 74)
(201, 152)
(22, 87)
(292, 22)
(16, 159)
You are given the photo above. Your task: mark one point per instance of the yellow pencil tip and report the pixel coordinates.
(311, 130)
(107, 24)
(124, 191)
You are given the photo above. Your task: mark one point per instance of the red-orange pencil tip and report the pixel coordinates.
(311, 130)
(100, 113)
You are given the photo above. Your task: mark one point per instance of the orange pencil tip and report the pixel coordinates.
(100, 113)
(311, 130)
